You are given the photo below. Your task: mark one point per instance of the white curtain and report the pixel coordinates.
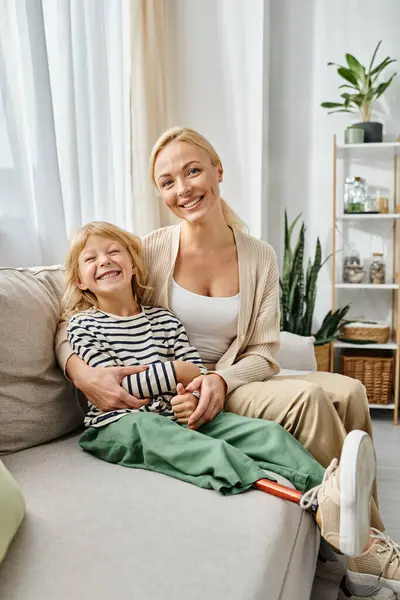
(152, 38)
(64, 123)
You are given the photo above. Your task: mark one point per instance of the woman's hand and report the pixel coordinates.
(212, 390)
(184, 404)
(102, 385)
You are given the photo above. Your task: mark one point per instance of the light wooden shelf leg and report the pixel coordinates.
(332, 347)
(396, 278)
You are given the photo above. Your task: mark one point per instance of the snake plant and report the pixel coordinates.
(298, 290)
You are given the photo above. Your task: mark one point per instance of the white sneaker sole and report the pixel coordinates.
(366, 578)
(357, 476)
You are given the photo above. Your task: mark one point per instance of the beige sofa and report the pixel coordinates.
(93, 530)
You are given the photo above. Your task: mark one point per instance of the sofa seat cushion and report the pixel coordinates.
(37, 403)
(12, 509)
(96, 531)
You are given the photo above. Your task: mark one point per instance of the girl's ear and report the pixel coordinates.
(81, 286)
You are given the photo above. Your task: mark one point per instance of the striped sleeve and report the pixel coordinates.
(87, 345)
(160, 378)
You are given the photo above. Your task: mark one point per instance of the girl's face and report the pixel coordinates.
(105, 267)
(187, 181)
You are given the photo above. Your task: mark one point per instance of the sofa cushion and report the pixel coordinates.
(296, 352)
(96, 531)
(37, 403)
(11, 509)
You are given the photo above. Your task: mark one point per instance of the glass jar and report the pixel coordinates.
(377, 269)
(353, 271)
(370, 204)
(356, 197)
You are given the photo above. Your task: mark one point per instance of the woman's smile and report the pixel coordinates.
(192, 203)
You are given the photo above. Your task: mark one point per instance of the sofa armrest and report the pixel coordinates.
(296, 352)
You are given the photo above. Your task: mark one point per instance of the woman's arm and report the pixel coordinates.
(102, 387)
(257, 362)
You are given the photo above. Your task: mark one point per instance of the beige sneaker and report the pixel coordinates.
(380, 564)
(344, 496)
(383, 594)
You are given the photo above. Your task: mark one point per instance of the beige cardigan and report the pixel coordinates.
(251, 356)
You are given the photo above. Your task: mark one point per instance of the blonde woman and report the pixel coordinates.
(223, 285)
(109, 326)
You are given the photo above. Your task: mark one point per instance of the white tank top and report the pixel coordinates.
(211, 323)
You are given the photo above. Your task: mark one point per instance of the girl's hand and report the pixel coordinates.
(102, 385)
(183, 404)
(212, 390)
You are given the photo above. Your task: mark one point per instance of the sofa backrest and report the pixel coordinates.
(37, 403)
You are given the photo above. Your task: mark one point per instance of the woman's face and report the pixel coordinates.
(187, 181)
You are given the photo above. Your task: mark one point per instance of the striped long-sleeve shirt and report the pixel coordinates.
(154, 337)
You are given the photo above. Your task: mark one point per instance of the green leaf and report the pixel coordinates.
(331, 104)
(383, 86)
(332, 64)
(357, 99)
(356, 67)
(331, 324)
(381, 67)
(348, 76)
(349, 99)
(373, 56)
(369, 96)
(293, 225)
(341, 110)
(346, 85)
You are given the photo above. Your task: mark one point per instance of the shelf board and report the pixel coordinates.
(366, 217)
(388, 346)
(367, 286)
(382, 406)
(370, 146)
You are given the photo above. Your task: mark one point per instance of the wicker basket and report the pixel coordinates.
(374, 371)
(322, 356)
(362, 333)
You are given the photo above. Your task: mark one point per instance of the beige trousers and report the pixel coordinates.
(317, 409)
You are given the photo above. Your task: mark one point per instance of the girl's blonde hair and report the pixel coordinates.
(185, 134)
(75, 299)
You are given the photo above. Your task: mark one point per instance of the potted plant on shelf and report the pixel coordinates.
(298, 292)
(363, 90)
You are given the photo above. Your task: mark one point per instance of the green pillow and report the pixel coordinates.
(12, 509)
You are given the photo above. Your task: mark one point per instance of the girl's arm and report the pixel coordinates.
(187, 353)
(93, 347)
(102, 387)
(158, 378)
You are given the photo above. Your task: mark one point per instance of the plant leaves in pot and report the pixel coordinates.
(362, 89)
(298, 292)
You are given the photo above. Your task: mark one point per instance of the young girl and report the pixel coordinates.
(109, 326)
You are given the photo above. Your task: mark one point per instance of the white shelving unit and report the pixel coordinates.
(366, 147)
(367, 286)
(367, 153)
(371, 217)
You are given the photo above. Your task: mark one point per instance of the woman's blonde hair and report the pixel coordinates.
(185, 134)
(75, 299)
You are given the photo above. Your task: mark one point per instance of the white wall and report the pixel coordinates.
(304, 36)
(217, 86)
